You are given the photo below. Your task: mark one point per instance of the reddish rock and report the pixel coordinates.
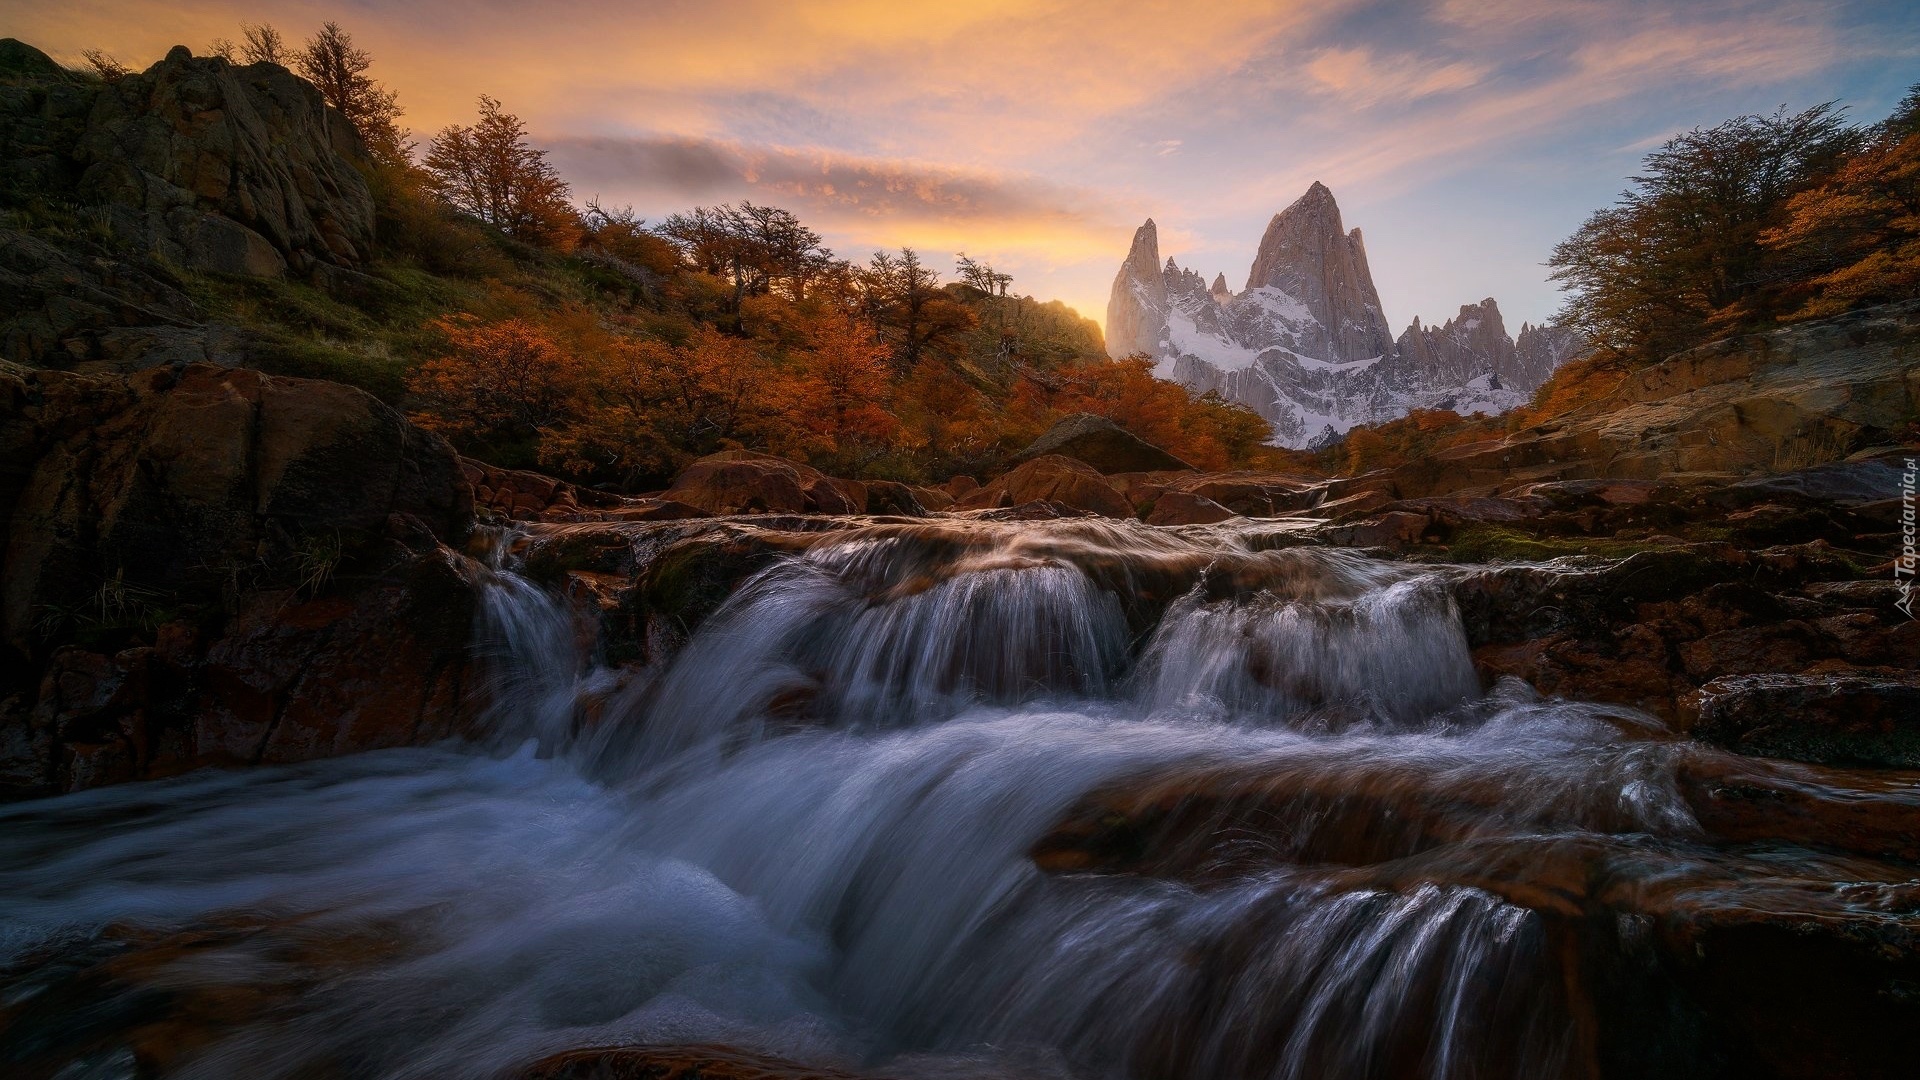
(960, 486)
(1836, 717)
(652, 510)
(889, 497)
(1052, 478)
(1101, 443)
(170, 480)
(1396, 529)
(303, 526)
(740, 482)
(744, 482)
(934, 499)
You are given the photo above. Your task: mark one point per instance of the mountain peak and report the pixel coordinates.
(1308, 254)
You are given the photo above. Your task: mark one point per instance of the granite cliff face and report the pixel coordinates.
(194, 164)
(1307, 343)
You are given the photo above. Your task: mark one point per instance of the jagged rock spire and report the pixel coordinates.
(1308, 255)
(1137, 307)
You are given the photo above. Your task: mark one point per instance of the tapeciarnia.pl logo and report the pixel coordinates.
(1903, 567)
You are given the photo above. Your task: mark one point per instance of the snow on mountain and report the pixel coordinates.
(1306, 343)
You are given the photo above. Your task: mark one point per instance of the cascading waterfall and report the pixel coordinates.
(822, 831)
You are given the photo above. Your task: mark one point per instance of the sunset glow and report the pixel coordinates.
(1464, 137)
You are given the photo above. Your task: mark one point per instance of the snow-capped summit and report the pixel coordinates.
(1306, 344)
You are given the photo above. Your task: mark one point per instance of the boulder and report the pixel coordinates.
(1056, 479)
(1835, 718)
(743, 482)
(207, 566)
(230, 169)
(890, 497)
(180, 479)
(1101, 443)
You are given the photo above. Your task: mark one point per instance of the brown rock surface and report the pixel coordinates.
(1055, 479)
(208, 565)
(1101, 443)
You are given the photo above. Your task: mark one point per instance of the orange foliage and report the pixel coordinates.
(1861, 228)
(818, 385)
(499, 382)
(843, 390)
(1207, 431)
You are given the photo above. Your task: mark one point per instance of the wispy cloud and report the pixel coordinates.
(891, 200)
(1046, 129)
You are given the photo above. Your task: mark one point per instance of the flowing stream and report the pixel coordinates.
(820, 831)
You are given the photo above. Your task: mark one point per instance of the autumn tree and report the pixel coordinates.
(105, 66)
(1679, 257)
(493, 172)
(496, 384)
(1855, 237)
(334, 64)
(844, 389)
(757, 250)
(262, 44)
(902, 296)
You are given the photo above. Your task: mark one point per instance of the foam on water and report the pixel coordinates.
(811, 834)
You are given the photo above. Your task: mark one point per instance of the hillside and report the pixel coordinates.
(207, 211)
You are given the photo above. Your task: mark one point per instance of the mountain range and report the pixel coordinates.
(1306, 343)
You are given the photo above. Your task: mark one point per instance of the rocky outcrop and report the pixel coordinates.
(194, 164)
(1833, 717)
(1102, 444)
(1744, 407)
(209, 566)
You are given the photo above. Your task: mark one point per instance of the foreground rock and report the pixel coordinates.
(673, 1063)
(1833, 717)
(214, 566)
(1665, 953)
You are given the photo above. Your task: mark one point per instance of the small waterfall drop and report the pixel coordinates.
(1063, 799)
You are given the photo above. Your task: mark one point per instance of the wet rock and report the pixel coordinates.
(1250, 494)
(1101, 443)
(207, 565)
(1843, 484)
(1052, 479)
(673, 1063)
(1186, 508)
(889, 497)
(1395, 530)
(1836, 718)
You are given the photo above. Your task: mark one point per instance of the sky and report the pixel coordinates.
(1463, 137)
